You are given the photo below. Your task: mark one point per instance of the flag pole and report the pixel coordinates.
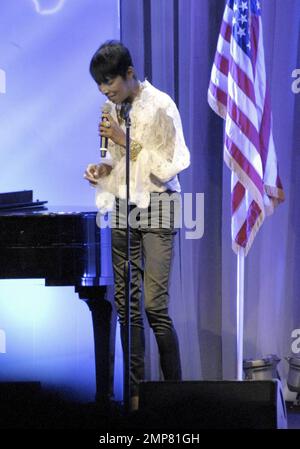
(240, 311)
(239, 100)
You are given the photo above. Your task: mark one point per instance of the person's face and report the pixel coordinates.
(118, 89)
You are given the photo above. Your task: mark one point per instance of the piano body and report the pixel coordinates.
(63, 246)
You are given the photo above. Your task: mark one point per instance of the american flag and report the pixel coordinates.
(239, 93)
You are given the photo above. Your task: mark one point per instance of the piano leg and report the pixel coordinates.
(101, 311)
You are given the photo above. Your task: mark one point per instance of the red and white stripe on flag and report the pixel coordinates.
(238, 92)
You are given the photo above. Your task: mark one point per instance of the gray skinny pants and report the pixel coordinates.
(151, 253)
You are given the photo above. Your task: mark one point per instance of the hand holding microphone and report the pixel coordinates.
(105, 123)
(110, 129)
(96, 171)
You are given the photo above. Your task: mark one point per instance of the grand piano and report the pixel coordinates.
(63, 246)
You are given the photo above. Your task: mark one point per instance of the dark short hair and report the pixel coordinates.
(110, 60)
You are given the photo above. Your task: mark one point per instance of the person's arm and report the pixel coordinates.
(96, 171)
(167, 152)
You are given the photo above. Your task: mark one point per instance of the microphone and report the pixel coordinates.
(105, 157)
(106, 109)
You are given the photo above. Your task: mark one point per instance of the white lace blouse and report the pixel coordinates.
(156, 125)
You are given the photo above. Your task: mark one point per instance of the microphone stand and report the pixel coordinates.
(127, 269)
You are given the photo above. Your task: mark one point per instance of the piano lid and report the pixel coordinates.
(48, 210)
(61, 244)
(21, 196)
(19, 200)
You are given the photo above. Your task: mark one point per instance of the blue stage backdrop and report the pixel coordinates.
(49, 112)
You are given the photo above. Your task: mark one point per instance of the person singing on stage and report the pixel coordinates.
(157, 154)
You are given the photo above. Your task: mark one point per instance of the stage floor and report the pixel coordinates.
(51, 412)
